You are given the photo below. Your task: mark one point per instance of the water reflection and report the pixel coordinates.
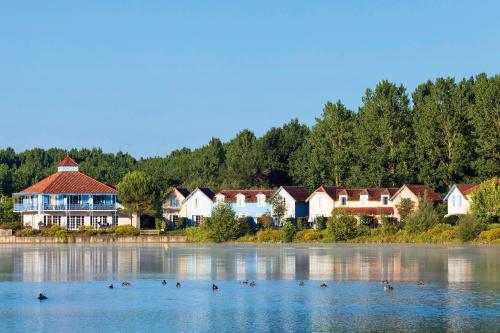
(219, 262)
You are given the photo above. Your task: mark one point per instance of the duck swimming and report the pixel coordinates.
(244, 282)
(420, 283)
(214, 287)
(323, 285)
(164, 282)
(110, 286)
(385, 281)
(388, 287)
(301, 283)
(42, 297)
(125, 283)
(252, 284)
(178, 284)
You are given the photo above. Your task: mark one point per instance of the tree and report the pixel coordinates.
(424, 218)
(224, 224)
(405, 208)
(289, 231)
(485, 201)
(137, 193)
(278, 205)
(342, 225)
(5, 180)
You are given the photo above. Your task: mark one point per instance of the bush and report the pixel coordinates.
(51, 232)
(159, 224)
(247, 238)
(223, 224)
(28, 231)
(405, 209)
(125, 230)
(308, 236)
(246, 226)
(469, 228)
(265, 221)
(270, 236)
(289, 231)
(368, 220)
(424, 218)
(451, 220)
(390, 225)
(342, 226)
(87, 230)
(485, 202)
(181, 223)
(490, 235)
(11, 225)
(199, 234)
(363, 230)
(206, 222)
(438, 229)
(321, 222)
(302, 223)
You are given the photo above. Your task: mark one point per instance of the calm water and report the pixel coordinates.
(461, 292)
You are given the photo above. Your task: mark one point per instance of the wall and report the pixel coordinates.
(457, 210)
(405, 193)
(315, 209)
(204, 208)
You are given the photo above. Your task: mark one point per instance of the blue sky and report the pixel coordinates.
(148, 77)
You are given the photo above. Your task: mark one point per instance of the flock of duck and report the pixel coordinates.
(387, 286)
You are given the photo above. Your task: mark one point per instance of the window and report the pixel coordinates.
(75, 222)
(343, 200)
(115, 221)
(197, 219)
(75, 199)
(99, 221)
(174, 218)
(174, 203)
(220, 199)
(49, 220)
(456, 201)
(363, 199)
(320, 202)
(240, 201)
(261, 200)
(99, 200)
(385, 200)
(196, 203)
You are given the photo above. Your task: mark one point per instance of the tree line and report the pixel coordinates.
(443, 133)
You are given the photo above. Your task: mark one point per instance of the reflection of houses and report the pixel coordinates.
(172, 204)
(459, 198)
(459, 269)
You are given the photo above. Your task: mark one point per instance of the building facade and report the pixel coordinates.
(294, 198)
(459, 198)
(197, 205)
(173, 206)
(246, 203)
(414, 193)
(70, 199)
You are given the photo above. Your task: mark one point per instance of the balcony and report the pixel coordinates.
(68, 207)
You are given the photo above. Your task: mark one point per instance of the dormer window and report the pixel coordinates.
(220, 199)
(343, 200)
(261, 200)
(385, 200)
(363, 199)
(240, 200)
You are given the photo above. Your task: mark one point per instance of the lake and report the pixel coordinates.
(461, 291)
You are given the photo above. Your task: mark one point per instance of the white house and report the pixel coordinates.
(295, 200)
(198, 204)
(172, 204)
(458, 198)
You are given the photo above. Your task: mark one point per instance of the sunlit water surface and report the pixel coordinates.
(461, 292)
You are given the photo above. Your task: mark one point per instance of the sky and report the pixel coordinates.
(149, 77)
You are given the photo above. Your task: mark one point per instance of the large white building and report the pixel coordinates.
(459, 198)
(198, 204)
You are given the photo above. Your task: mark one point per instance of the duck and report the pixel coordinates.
(388, 287)
(214, 287)
(252, 284)
(125, 283)
(323, 285)
(301, 283)
(111, 286)
(385, 281)
(164, 282)
(420, 283)
(178, 285)
(244, 282)
(42, 297)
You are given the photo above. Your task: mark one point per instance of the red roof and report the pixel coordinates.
(424, 190)
(250, 195)
(68, 161)
(466, 188)
(353, 194)
(297, 192)
(69, 182)
(371, 210)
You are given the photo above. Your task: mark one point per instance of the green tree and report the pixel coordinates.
(405, 208)
(289, 231)
(5, 180)
(137, 194)
(224, 224)
(341, 226)
(424, 218)
(278, 205)
(485, 201)
(243, 161)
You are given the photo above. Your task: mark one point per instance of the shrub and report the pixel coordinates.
(87, 230)
(265, 221)
(302, 223)
(246, 226)
(206, 222)
(307, 236)
(367, 220)
(405, 208)
(438, 229)
(11, 225)
(62, 235)
(423, 218)
(362, 230)
(270, 236)
(469, 228)
(199, 234)
(179, 232)
(159, 224)
(28, 231)
(181, 223)
(485, 201)
(224, 225)
(125, 230)
(321, 222)
(289, 231)
(247, 238)
(342, 226)
(490, 235)
(451, 220)
(51, 232)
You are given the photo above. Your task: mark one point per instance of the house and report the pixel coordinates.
(414, 193)
(459, 198)
(365, 201)
(294, 198)
(246, 203)
(70, 199)
(198, 204)
(172, 204)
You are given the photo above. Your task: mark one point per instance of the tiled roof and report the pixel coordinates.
(69, 182)
(424, 190)
(353, 194)
(299, 193)
(371, 210)
(250, 195)
(466, 189)
(68, 161)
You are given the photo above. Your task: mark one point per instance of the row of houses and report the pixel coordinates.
(70, 199)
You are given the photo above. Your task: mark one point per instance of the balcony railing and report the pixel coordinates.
(76, 207)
